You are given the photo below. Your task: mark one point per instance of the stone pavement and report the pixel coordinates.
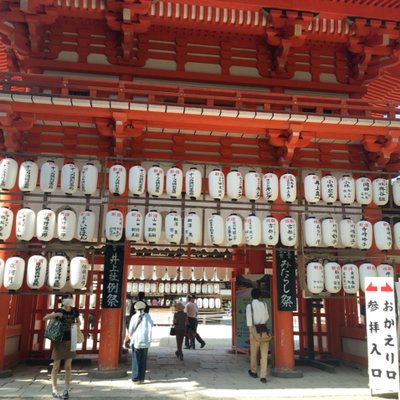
(209, 373)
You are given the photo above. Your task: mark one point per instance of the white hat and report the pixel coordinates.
(140, 305)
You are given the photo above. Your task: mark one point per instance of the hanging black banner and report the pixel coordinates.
(112, 276)
(286, 280)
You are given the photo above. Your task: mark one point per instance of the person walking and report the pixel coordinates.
(139, 333)
(62, 350)
(180, 323)
(192, 312)
(257, 314)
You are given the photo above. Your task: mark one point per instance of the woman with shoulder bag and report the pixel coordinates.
(180, 323)
(68, 315)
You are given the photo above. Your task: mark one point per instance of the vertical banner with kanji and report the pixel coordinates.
(383, 364)
(112, 276)
(286, 280)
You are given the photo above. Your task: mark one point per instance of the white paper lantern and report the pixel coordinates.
(396, 235)
(45, 224)
(58, 271)
(28, 175)
(193, 228)
(366, 270)
(234, 230)
(329, 189)
(69, 178)
(252, 185)
(385, 271)
(364, 234)
(216, 184)
(288, 231)
(396, 191)
(270, 231)
(312, 232)
(270, 187)
(174, 182)
(49, 177)
(137, 180)
(25, 224)
(8, 173)
(288, 187)
(363, 190)
(155, 181)
(114, 225)
(1, 272)
(312, 188)
(6, 222)
(383, 235)
(315, 277)
(86, 226)
(89, 178)
(66, 225)
(134, 226)
(36, 272)
(330, 232)
(215, 229)
(193, 182)
(351, 280)
(380, 191)
(79, 270)
(347, 190)
(234, 185)
(14, 270)
(252, 230)
(152, 226)
(117, 179)
(347, 232)
(173, 227)
(333, 277)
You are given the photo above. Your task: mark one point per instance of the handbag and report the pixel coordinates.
(260, 332)
(172, 331)
(55, 330)
(80, 337)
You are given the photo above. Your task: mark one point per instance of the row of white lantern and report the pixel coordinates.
(174, 287)
(49, 175)
(352, 235)
(351, 278)
(57, 270)
(45, 225)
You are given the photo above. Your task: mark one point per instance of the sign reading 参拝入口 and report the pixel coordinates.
(383, 364)
(112, 276)
(286, 280)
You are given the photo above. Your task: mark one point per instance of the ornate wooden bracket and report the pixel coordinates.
(13, 125)
(381, 148)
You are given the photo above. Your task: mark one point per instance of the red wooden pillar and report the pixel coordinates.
(256, 260)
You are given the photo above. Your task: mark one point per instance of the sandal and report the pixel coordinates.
(56, 395)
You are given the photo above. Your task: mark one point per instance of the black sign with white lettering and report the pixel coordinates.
(112, 276)
(286, 280)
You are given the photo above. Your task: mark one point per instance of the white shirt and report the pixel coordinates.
(141, 338)
(260, 311)
(191, 310)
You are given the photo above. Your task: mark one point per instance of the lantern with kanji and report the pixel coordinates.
(312, 188)
(270, 231)
(152, 226)
(234, 230)
(330, 232)
(252, 185)
(193, 229)
(329, 189)
(134, 226)
(216, 184)
(8, 173)
(6, 222)
(14, 271)
(288, 187)
(89, 178)
(396, 235)
(49, 177)
(366, 270)
(380, 191)
(155, 181)
(58, 272)
(45, 224)
(117, 179)
(28, 175)
(114, 225)
(396, 191)
(312, 232)
(347, 232)
(383, 235)
(385, 271)
(215, 229)
(270, 187)
(193, 182)
(363, 190)
(364, 234)
(234, 185)
(288, 231)
(173, 227)
(252, 230)
(66, 225)
(333, 277)
(315, 277)
(137, 180)
(79, 270)
(86, 227)
(347, 190)
(36, 272)
(350, 278)
(69, 178)
(174, 182)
